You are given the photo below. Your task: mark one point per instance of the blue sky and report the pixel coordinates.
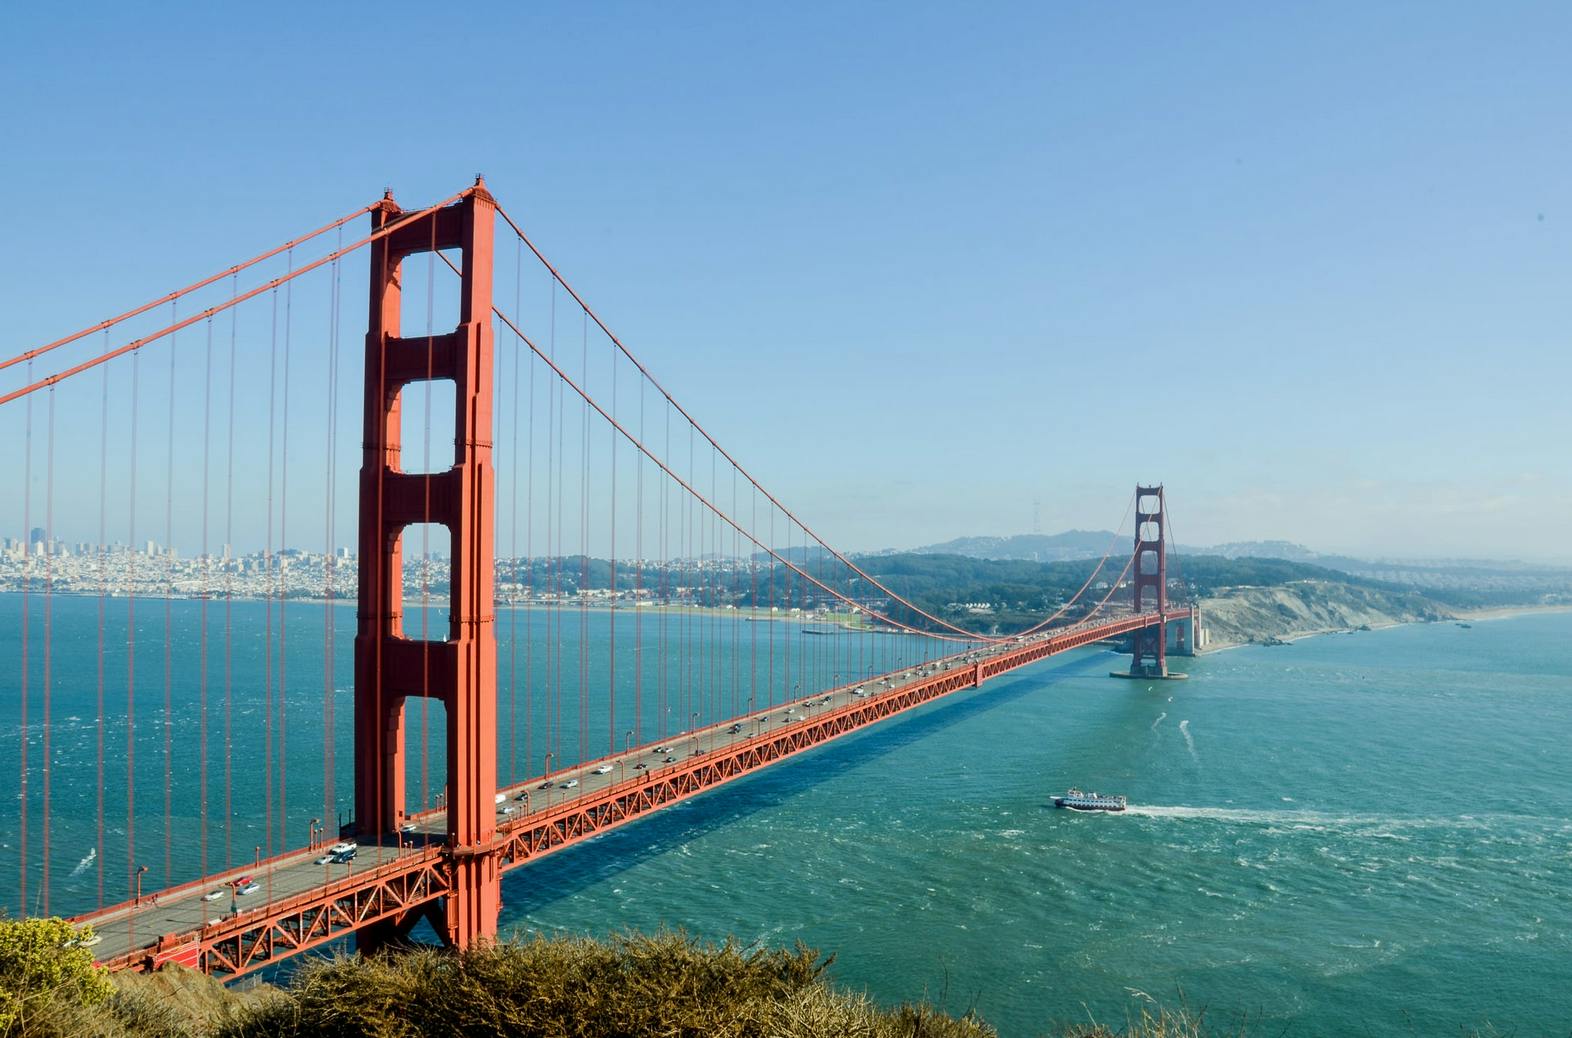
(918, 266)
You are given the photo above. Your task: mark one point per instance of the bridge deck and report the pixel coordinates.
(302, 904)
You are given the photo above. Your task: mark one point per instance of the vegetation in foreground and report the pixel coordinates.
(667, 985)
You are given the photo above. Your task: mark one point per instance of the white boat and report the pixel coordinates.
(1079, 800)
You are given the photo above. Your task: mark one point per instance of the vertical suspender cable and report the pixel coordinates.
(736, 618)
(529, 562)
(27, 580)
(611, 601)
(229, 597)
(562, 511)
(638, 578)
(283, 589)
(662, 710)
(49, 623)
(169, 616)
(584, 578)
(103, 605)
(270, 563)
(753, 609)
(513, 543)
(207, 585)
(131, 584)
(330, 557)
(552, 748)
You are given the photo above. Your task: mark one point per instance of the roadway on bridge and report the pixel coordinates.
(125, 928)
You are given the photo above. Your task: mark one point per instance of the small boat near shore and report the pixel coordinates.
(1079, 800)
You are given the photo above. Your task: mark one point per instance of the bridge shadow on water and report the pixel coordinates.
(574, 869)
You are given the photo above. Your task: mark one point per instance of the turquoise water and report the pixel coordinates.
(1355, 834)
(1365, 833)
(286, 705)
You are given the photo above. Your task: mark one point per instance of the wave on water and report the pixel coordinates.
(1159, 720)
(83, 865)
(1189, 743)
(1302, 819)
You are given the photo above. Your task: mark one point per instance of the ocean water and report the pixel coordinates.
(1354, 834)
(274, 702)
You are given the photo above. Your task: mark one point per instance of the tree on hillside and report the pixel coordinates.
(42, 961)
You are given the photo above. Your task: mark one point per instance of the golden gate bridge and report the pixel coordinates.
(663, 593)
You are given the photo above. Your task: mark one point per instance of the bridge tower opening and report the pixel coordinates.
(390, 667)
(1149, 645)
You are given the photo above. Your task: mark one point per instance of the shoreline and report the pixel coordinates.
(749, 614)
(1508, 612)
(1468, 615)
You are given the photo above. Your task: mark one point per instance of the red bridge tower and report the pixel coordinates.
(1149, 645)
(460, 672)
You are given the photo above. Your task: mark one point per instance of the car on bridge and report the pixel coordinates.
(246, 885)
(569, 784)
(342, 846)
(212, 895)
(326, 859)
(604, 769)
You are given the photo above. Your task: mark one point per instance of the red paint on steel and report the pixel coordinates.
(461, 671)
(398, 890)
(172, 296)
(136, 344)
(1150, 647)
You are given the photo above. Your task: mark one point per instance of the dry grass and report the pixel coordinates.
(667, 985)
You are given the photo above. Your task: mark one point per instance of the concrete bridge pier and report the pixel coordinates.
(1186, 635)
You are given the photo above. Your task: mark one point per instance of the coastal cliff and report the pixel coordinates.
(1297, 609)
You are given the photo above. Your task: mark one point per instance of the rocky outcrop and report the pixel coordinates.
(1273, 615)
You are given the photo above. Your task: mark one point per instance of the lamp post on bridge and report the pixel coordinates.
(311, 833)
(140, 869)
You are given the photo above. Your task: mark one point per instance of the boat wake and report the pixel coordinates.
(83, 865)
(1298, 819)
(1159, 720)
(1189, 743)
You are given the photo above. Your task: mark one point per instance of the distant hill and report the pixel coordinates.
(1028, 547)
(1465, 583)
(1259, 550)
(1084, 544)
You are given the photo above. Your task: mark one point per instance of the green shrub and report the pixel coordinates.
(43, 967)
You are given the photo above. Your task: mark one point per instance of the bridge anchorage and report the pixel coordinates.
(737, 688)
